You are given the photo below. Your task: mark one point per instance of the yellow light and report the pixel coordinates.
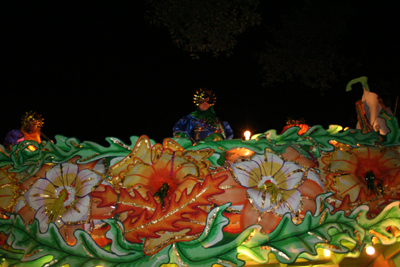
(32, 148)
(247, 135)
(327, 252)
(370, 250)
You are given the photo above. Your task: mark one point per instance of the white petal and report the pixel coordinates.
(292, 198)
(42, 218)
(257, 196)
(293, 175)
(100, 167)
(246, 173)
(73, 215)
(87, 179)
(273, 158)
(54, 174)
(34, 196)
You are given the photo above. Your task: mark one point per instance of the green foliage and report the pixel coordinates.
(24, 160)
(50, 248)
(36, 245)
(200, 26)
(208, 249)
(378, 226)
(288, 240)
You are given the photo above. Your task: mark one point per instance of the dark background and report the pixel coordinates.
(97, 69)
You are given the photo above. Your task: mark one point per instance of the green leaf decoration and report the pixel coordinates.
(378, 226)
(392, 138)
(120, 245)
(85, 252)
(13, 258)
(10, 257)
(64, 149)
(288, 240)
(208, 248)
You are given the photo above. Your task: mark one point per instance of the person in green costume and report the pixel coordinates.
(203, 125)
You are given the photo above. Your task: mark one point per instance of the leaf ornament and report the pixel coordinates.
(50, 249)
(213, 245)
(288, 240)
(378, 226)
(178, 214)
(124, 201)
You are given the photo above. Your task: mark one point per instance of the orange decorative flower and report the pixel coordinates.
(161, 170)
(162, 193)
(363, 175)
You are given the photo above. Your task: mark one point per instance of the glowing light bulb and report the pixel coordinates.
(370, 250)
(327, 252)
(247, 135)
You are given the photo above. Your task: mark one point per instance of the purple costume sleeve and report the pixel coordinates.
(13, 137)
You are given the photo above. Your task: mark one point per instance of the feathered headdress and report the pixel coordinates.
(30, 117)
(203, 94)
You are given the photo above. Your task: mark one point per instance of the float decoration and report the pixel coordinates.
(287, 242)
(274, 198)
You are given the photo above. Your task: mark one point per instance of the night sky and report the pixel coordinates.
(98, 70)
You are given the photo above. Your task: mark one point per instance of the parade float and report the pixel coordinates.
(313, 197)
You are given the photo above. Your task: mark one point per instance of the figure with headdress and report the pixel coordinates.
(30, 130)
(296, 123)
(369, 108)
(203, 125)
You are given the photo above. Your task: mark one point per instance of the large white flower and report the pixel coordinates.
(62, 197)
(272, 182)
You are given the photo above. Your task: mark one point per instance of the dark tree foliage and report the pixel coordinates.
(204, 25)
(307, 46)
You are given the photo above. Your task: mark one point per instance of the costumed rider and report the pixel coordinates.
(30, 130)
(369, 108)
(203, 125)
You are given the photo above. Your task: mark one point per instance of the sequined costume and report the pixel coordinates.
(30, 130)
(200, 126)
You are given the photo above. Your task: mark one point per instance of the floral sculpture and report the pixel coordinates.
(272, 198)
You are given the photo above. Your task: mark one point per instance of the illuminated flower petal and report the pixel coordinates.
(62, 174)
(7, 196)
(62, 197)
(343, 161)
(85, 181)
(6, 177)
(173, 166)
(348, 172)
(41, 193)
(79, 211)
(43, 219)
(247, 173)
(272, 181)
(261, 199)
(187, 185)
(292, 202)
(272, 164)
(290, 176)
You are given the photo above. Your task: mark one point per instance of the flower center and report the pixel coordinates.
(372, 187)
(65, 194)
(64, 197)
(271, 186)
(162, 193)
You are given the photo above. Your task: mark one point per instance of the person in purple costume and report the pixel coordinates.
(203, 125)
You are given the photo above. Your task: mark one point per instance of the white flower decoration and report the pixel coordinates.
(272, 182)
(63, 196)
